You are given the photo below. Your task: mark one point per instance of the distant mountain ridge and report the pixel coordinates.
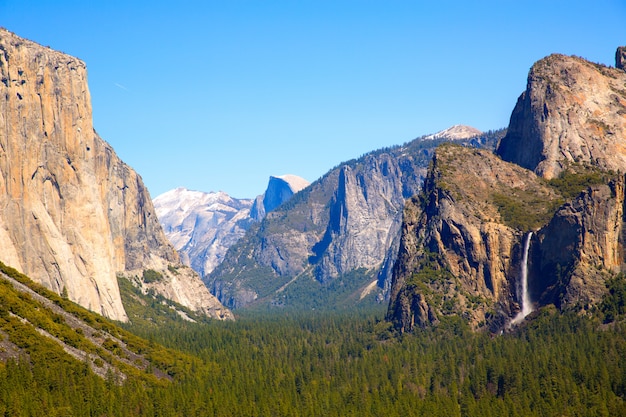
(202, 226)
(456, 132)
(330, 244)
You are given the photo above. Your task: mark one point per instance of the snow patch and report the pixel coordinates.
(456, 132)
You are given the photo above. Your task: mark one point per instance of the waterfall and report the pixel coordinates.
(527, 306)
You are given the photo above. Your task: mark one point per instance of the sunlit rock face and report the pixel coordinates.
(364, 217)
(73, 214)
(279, 190)
(573, 111)
(458, 255)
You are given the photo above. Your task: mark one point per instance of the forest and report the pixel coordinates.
(349, 363)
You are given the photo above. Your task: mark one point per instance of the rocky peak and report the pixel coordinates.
(620, 58)
(461, 247)
(279, 190)
(573, 111)
(455, 132)
(202, 226)
(461, 237)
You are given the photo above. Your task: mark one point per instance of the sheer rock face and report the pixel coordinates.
(279, 190)
(73, 214)
(580, 248)
(342, 222)
(460, 256)
(457, 255)
(572, 111)
(364, 218)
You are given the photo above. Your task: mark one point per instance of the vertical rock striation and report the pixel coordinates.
(581, 248)
(459, 253)
(364, 217)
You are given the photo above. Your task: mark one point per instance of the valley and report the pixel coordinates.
(462, 273)
(336, 364)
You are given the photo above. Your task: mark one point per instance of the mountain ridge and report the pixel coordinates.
(202, 226)
(302, 246)
(455, 132)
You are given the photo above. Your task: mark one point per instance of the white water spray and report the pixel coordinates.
(527, 306)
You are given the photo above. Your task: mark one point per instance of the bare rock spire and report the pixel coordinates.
(620, 58)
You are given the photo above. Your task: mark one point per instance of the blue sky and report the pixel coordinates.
(219, 95)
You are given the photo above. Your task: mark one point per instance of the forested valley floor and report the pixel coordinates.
(339, 364)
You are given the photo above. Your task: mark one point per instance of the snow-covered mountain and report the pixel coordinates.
(455, 132)
(202, 226)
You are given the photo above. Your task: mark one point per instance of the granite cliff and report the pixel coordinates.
(73, 214)
(558, 173)
(279, 190)
(573, 111)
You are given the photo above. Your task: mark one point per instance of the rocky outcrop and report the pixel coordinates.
(620, 58)
(73, 214)
(364, 217)
(461, 247)
(573, 111)
(580, 248)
